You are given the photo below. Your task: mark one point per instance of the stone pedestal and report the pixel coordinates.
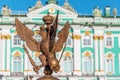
(47, 77)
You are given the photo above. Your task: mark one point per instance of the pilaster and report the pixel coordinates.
(0, 51)
(101, 42)
(77, 52)
(28, 69)
(8, 54)
(3, 53)
(96, 54)
(99, 51)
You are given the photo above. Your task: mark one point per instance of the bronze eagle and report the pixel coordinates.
(48, 45)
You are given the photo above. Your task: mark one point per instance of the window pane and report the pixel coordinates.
(89, 66)
(17, 64)
(109, 65)
(87, 41)
(15, 67)
(17, 40)
(109, 41)
(69, 41)
(67, 64)
(85, 66)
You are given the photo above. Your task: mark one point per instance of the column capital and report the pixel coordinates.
(101, 37)
(95, 37)
(27, 70)
(4, 70)
(77, 70)
(78, 37)
(5, 37)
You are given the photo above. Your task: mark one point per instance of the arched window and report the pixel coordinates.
(87, 41)
(69, 41)
(17, 40)
(38, 38)
(109, 63)
(17, 62)
(87, 63)
(36, 58)
(109, 41)
(67, 62)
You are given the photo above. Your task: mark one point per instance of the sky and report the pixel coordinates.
(84, 7)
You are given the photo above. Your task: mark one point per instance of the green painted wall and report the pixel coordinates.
(115, 50)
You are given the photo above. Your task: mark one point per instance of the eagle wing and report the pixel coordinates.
(53, 31)
(62, 37)
(27, 35)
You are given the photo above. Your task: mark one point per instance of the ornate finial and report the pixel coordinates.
(66, 1)
(52, 1)
(48, 19)
(68, 6)
(38, 3)
(97, 12)
(115, 12)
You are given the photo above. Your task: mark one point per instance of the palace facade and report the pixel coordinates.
(92, 51)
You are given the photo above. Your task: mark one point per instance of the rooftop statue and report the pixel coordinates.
(6, 11)
(97, 12)
(115, 12)
(48, 45)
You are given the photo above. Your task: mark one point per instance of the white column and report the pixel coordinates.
(0, 52)
(96, 54)
(25, 64)
(101, 42)
(8, 55)
(3, 54)
(77, 52)
(99, 49)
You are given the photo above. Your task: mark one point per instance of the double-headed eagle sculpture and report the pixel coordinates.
(48, 46)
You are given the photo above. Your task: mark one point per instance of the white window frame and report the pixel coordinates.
(83, 37)
(84, 60)
(18, 40)
(106, 66)
(68, 61)
(12, 63)
(106, 36)
(71, 41)
(17, 44)
(17, 60)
